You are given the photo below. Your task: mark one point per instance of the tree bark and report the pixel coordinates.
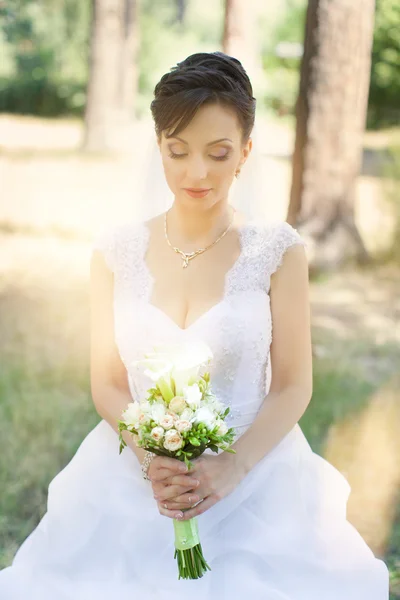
(112, 83)
(240, 38)
(181, 8)
(330, 119)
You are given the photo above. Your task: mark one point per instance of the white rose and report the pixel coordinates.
(222, 427)
(183, 425)
(173, 440)
(178, 404)
(157, 433)
(205, 416)
(131, 414)
(167, 422)
(193, 395)
(187, 414)
(157, 412)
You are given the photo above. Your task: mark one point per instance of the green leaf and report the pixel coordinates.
(194, 441)
(213, 447)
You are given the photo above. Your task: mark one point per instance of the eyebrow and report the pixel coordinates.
(209, 143)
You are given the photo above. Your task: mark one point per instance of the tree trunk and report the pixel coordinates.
(113, 73)
(331, 113)
(240, 38)
(181, 8)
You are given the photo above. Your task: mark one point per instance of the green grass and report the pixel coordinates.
(344, 381)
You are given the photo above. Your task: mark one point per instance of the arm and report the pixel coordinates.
(110, 388)
(108, 376)
(291, 362)
(290, 391)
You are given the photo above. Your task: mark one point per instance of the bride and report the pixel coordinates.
(272, 516)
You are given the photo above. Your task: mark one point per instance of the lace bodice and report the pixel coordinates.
(238, 329)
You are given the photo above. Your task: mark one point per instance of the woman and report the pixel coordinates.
(272, 517)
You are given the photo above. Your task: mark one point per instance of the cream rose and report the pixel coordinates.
(144, 419)
(173, 440)
(167, 422)
(187, 414)
(178, 405)
(157, 433)
(183, 425)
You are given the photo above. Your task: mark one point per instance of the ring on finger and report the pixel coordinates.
(196, 503)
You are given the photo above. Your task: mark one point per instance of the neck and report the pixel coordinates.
(196, 227)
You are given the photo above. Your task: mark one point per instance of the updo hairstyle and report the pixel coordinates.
(202, 78)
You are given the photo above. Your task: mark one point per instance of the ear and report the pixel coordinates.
(246, 151)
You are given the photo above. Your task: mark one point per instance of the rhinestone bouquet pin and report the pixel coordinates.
(180, 417)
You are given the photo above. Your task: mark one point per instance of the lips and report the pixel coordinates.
(197, 193)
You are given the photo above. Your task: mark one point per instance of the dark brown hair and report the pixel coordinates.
(203, 78)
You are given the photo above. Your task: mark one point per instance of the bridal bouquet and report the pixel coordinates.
(180, 417)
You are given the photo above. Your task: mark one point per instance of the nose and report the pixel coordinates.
(196, 169)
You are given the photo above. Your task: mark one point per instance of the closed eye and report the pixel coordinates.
(174, 155)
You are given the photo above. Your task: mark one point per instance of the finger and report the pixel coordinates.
(181, 502)
(171, 514)
(200, 508)
(171, 491)
(182, 480)
(173, 464)
(160, 473)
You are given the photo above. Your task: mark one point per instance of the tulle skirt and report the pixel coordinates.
(282, 534)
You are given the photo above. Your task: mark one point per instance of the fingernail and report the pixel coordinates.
(183, 468)
(179, 516)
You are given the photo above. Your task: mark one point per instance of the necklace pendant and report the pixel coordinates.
(185, 262)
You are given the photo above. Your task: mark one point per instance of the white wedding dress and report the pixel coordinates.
(282, 534)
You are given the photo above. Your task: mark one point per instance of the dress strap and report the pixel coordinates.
(282, 236)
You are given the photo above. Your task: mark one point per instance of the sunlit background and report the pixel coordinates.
(75, 135)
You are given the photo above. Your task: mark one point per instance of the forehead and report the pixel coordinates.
(211, 122)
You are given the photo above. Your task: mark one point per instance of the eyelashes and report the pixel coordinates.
(178, 156)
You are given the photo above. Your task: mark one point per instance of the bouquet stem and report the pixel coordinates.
(188, 550)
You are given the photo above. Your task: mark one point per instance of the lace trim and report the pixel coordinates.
(262, 250)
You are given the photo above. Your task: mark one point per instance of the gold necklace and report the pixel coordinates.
(187, 256)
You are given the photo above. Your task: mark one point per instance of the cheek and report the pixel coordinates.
(173, 171)
(226, 170)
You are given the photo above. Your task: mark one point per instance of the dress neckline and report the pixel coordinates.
(229, 275)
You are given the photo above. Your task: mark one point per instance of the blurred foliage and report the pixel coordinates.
(46, 56)
(283, 74)
(45, 47)
(391, 179)
(384, 103)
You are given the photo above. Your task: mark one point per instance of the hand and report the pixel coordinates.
(172, 482)
(218, 476)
